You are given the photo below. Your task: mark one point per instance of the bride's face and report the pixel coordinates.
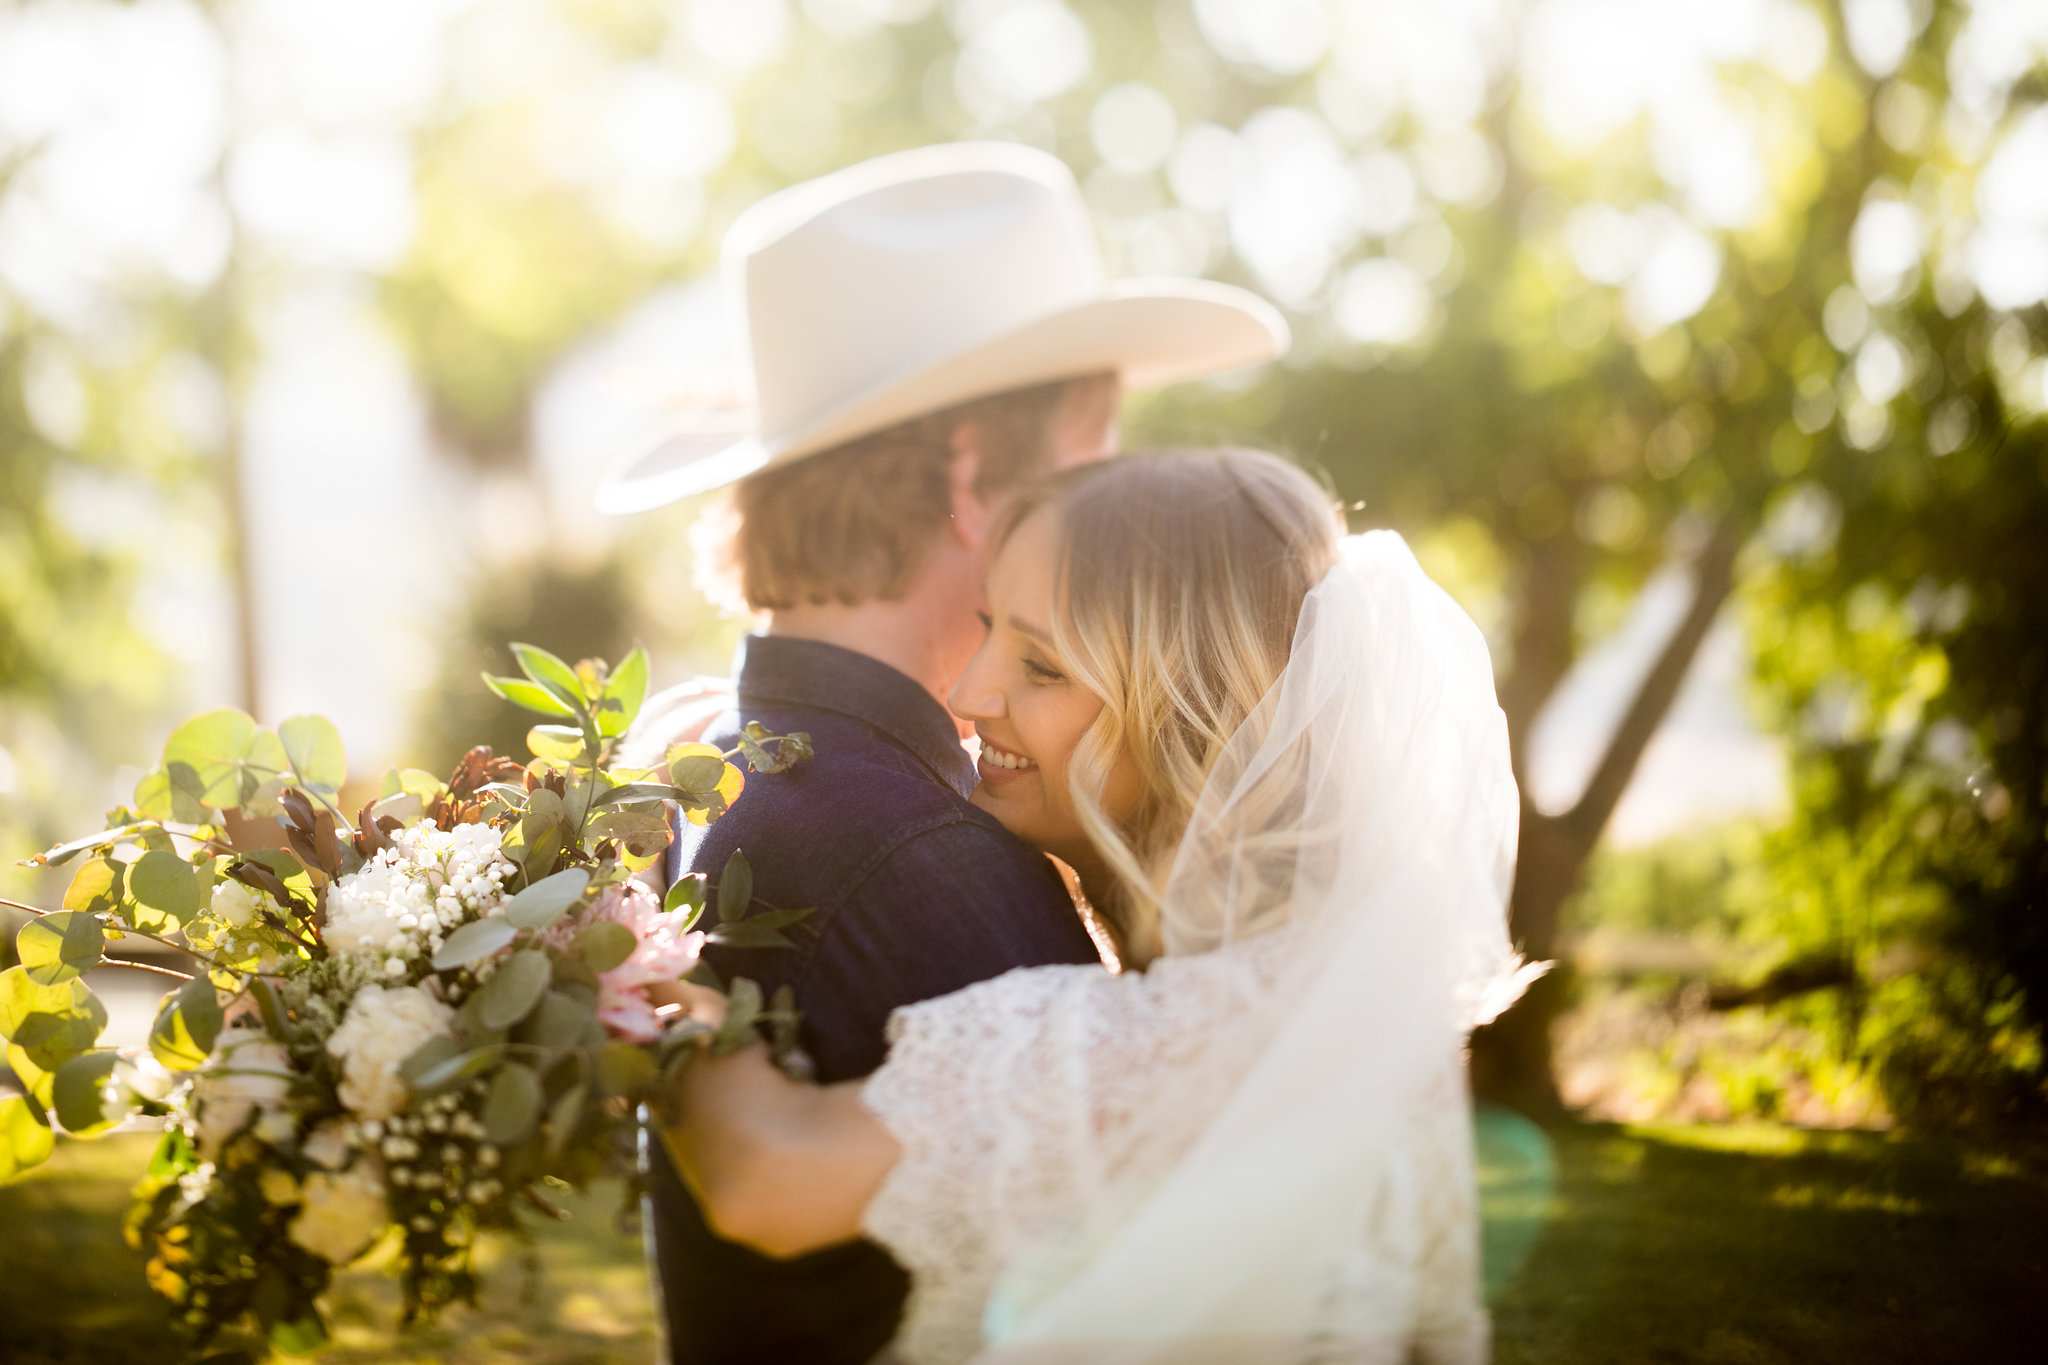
(1027, 710)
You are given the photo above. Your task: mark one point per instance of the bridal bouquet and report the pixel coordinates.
(396, 1028)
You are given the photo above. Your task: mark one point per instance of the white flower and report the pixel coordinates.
(236, 906)
(327, 1145)
(248, 1071)
(383, 1027)
(342, 1213)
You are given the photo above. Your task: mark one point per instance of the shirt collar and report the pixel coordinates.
(809, 673)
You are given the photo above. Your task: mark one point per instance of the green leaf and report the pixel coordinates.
(429, 1058)
(25, 1138)
(562, 743)
(763, 930)
(34, 1079)
(313, 747)
(544, 902)
(543, 831)
(623, 1069)
(551, 672)
(477, 939)
(166, 883)
(96, 888)
(531, 696)
(298, 1336)
(78, 1093)
(65, 852)
(561, 1022)
(220, 758)
(23, 998)
(514, 989)
(156, 798)
(638, 793)
(735, 889)
(605, 944)
(698, 773)
(513, 1105)
(186, 1025)
(564, 1115)
(623, 693)
(641, 832)
(450, 1070)
(686, 894)
(60, 947)
(419, 783)
(742, 1008)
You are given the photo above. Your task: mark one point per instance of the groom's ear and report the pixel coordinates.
(972, 513)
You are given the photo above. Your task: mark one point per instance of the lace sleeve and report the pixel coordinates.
(1015, 1102)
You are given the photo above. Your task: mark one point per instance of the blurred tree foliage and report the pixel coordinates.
(1557, 362)
(1567, 310)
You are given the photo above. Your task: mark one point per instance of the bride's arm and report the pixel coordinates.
(782, 1166)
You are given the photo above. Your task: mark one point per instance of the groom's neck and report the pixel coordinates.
(912, 635)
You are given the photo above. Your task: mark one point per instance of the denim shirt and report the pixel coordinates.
(916, 893)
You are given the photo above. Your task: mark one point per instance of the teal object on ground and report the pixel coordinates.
(1517, 1179)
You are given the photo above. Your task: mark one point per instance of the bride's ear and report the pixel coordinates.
(972, 514)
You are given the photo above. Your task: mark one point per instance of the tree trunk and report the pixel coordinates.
(1511, 1058)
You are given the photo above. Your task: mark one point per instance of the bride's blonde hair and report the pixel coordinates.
(1180, 578)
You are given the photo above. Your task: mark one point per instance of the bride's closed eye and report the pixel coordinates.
(1043, 673)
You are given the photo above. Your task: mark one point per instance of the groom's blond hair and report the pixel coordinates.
(1181, 577)
(851, 524)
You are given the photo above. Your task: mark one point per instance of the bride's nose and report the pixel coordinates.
(979, 694)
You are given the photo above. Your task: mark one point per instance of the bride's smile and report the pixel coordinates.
(1029, 710)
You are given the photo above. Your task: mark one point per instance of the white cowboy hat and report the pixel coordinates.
(916, 281)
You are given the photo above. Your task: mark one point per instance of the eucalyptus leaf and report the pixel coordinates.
(641, 832)
(563, 1116)
(453, 1071)
(60, 947)
(34, 1079)
(605, 944)
(64, 852)
(542, 903)
(698, 773)
(562, 743)
(165, 883)
(477, 939)
(429, 1058)
(186, 1025)
(560, 1023)
(25, 1139)
(623, 1069)
(514, 989)
(414, 781)
(531, 696)
(22, 997)
(50, 1040)
(624, 691)
(221, 757)
(78, 1093)
(735, 888)
(313, 747)
(512, 1107)
(96, 887)
(551, 672)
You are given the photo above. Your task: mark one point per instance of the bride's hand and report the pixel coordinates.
(671, 998)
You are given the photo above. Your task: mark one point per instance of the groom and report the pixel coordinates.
(926, 331)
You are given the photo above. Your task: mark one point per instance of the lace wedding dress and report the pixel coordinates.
(1258, 1150)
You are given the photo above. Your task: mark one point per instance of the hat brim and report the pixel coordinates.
(1148, 332)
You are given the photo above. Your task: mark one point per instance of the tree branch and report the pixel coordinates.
(1713, 579)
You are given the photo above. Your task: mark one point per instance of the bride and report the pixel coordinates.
(1273, 756)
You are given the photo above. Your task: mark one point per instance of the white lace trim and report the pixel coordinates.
(1017, 1101)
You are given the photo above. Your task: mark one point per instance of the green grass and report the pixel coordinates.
(1752, 1244)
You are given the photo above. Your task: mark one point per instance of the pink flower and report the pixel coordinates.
(664, 952)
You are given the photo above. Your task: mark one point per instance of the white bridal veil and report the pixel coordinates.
(1366, 814)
